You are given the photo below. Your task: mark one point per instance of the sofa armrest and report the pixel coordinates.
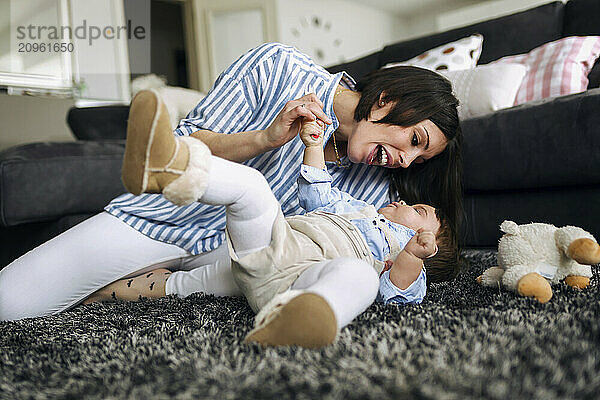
(44, 181)
(548, 143)
(99, 123)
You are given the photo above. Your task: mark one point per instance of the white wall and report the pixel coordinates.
(481, 12)
(27, 119)
(425, 21)
(417, 19)
(334, 31)
(226, 30)
(331, 31)
(103, 65)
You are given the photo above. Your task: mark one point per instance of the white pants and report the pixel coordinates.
(64, 271)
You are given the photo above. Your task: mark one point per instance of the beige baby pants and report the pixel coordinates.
(297, 243)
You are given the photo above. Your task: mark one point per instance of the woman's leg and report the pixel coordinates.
(65, 270)
(149, 284)
(325, 298)
(208, 273)
(251, 209)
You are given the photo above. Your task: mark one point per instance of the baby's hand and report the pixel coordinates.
(422, 245)
(311, 133)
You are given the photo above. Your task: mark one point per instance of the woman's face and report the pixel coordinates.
(394, 146)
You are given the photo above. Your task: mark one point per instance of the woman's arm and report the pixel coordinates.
(237, 147)
(243, 146)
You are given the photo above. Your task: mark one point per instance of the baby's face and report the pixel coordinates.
(414, 217)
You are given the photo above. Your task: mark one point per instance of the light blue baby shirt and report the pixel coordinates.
(315, 192)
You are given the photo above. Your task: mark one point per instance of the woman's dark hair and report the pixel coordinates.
(420, 94)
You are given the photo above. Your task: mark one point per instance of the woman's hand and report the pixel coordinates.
(287, 123)
(422, 245)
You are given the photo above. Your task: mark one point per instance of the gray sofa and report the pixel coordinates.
(535, 162)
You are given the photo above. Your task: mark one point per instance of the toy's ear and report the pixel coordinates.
(509, 227)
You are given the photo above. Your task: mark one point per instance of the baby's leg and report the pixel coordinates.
(184, 171)
(208, 273)
(251, 205)
(348, 284)
(325, 298)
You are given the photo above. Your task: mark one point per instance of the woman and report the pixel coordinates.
(393, 118)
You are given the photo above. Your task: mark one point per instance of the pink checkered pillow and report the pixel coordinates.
(556, 68)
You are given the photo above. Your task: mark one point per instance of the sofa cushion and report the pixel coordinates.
(548, 143)
(19, 239)
(507, 35)
(45, 181)
(556, 68)
(99, 123)
(358, 68)
(454, 56)
(594, 76)
(485, 211)
(485, 88)
(582, 17)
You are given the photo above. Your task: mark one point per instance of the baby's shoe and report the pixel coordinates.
(295, 317)
(155, 160)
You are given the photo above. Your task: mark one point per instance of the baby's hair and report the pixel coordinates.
(445, 265)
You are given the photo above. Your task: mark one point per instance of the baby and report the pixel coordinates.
(387, 231)
(307, 276)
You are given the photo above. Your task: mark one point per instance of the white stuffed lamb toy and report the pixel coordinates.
(533, 256)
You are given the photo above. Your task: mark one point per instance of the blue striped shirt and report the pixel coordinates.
(247, 96)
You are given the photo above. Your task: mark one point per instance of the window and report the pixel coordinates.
(76, 48)
(23, 64)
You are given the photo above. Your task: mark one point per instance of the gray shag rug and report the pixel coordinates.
(463, 341)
